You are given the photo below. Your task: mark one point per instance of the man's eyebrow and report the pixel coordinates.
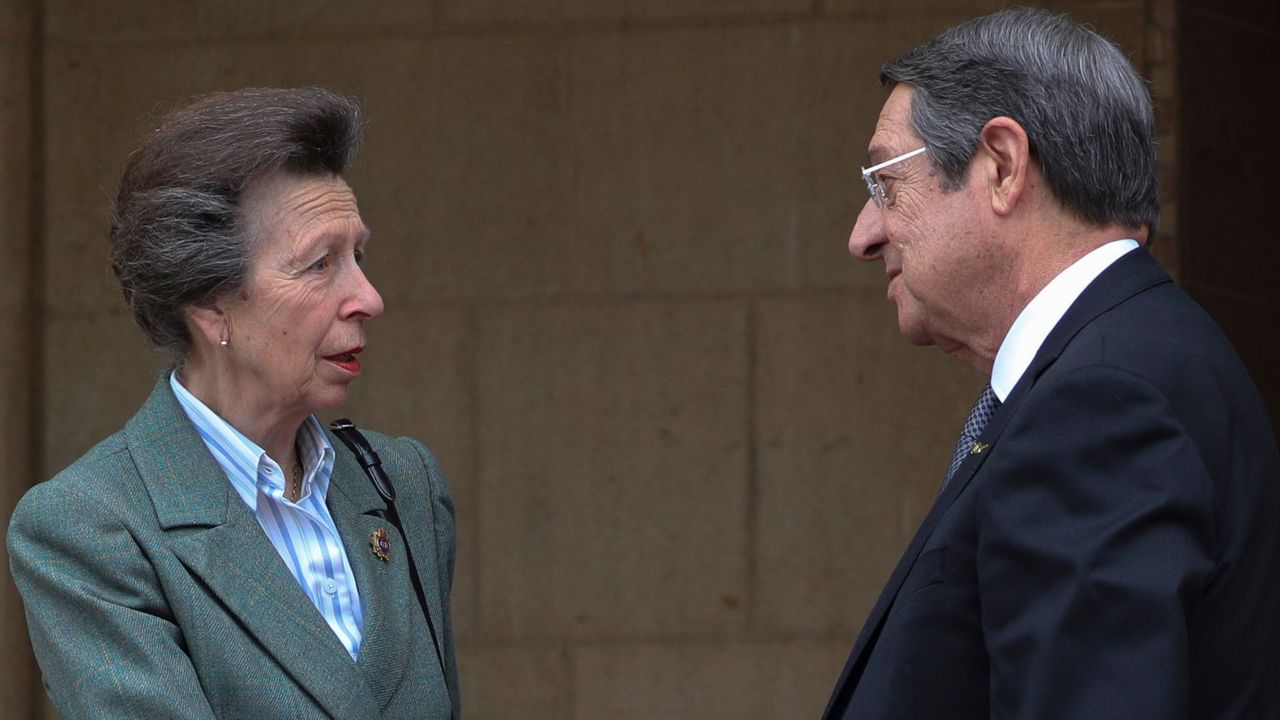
(876, 154)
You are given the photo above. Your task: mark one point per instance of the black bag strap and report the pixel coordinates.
(355, 441)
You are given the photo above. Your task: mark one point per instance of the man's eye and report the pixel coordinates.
(359, 255)
(321, 264)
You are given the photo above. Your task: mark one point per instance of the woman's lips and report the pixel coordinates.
(347, 361)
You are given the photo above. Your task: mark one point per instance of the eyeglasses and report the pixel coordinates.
(874, 184)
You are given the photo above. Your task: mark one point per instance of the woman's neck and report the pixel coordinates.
(272, 429)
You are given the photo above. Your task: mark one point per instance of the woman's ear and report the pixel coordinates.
(1004, 144)
(208, 325)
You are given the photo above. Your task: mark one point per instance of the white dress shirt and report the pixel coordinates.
(1039, 317)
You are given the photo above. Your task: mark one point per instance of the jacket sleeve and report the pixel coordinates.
(1095, 539)
(101, 629)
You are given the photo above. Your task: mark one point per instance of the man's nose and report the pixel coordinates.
(867, 240)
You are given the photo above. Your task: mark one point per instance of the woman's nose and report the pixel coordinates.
(366, 301)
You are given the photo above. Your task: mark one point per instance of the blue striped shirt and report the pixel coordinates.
(302, 532)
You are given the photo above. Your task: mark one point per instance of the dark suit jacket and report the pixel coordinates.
(152, 592)
(1115, 550)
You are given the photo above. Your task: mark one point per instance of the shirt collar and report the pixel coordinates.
(1039, 317)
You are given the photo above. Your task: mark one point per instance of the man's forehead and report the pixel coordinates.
(893, 130)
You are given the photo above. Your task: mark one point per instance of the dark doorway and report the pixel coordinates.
(1228, 156)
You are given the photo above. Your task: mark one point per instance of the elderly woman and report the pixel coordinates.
(222, 555)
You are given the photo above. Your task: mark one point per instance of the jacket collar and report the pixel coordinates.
(217, 538)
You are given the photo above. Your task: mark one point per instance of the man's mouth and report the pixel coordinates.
(893, 275)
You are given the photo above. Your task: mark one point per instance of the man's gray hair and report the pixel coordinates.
(1086, 112)
(178, 234)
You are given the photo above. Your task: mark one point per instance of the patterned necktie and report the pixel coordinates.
(973, 427)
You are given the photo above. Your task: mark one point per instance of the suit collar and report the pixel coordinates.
(1133, 273)
(217, 538)
(186, 485)
(1045, 310)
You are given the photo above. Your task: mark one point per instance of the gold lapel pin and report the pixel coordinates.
(978, 447)
(381, 544)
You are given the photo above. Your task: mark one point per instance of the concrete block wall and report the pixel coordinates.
(685, 440)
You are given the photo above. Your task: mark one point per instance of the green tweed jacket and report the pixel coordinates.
(152, 592)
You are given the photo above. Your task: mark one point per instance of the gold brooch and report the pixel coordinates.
(381, 544)
(978, 447)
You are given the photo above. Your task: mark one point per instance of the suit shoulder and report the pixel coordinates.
(103, 482)
(406, 449)
(101, 470)
(1162, 335)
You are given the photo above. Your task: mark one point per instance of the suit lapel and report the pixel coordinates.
(358, 511)
(220, 542)
(391, 592)
(413, 516)
(1133, 273)
(426, 556)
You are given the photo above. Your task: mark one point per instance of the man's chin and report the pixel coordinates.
(914, 332)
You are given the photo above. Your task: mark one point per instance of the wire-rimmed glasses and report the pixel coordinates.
(874, 186)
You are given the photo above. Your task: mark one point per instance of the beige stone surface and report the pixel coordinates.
(1123, 21)
(506, 13)
(417, 377)
(77, 275)
(127, 20)
(499, 683)
(133, 21)
(474, 191)
(16, 18)
(100, 370)
(705, 203)
(729, 681)
(474, 14)
(613, 474)
(855, 431)
(921, 15)
(19, 327)
(738, 10)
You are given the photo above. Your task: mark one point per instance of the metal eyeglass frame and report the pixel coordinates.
(873, 183)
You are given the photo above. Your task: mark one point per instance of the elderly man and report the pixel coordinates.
(1106, 542)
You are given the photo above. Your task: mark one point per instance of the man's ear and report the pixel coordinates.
(1004, 144)
(208, 323)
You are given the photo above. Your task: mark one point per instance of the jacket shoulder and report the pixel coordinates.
(106, 469)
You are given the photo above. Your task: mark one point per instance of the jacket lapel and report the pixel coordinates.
(220, 542)
(1133, 273)
(414, 515)
(389, 593)
(358, 511)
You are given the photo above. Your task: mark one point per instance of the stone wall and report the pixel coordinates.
(20, 314)
(685, 440)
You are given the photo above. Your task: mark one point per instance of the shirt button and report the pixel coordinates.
(331, 586)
